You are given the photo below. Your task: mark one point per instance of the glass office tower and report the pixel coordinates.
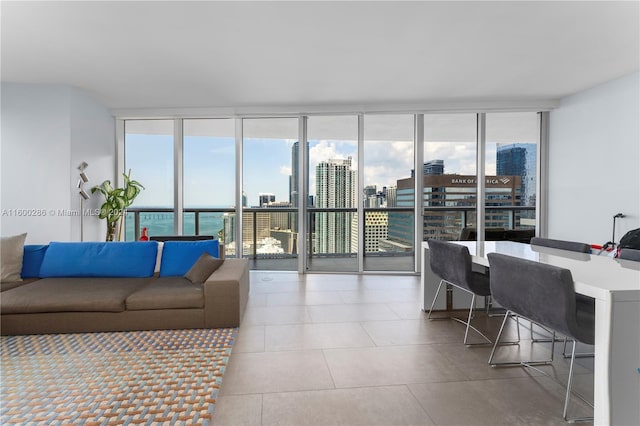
(519, 159)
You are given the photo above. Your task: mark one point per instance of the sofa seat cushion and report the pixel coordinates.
(71, 295)
(167, 293)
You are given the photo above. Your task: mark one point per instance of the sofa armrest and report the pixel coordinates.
(226, 293)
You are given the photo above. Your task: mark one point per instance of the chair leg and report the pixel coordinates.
(569, 382)
(434, 298)
(489, 307)
(516, 363)
(568, 394)
(495, 344)
(516, 318)
(467, 323)
(466, 333)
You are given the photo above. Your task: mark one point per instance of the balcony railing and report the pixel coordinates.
(272, 233)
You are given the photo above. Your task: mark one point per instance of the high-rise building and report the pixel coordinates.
(266, 199)
(519, 159)
(252, 233)
(453, 191)
(369, 190)
(376, 229)
(431, 167)
(434, 167)
(336, 185)
(373, 201)
(373, 198)
(281, 220)
(391, 196)
(293, 181)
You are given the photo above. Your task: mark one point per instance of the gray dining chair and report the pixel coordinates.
(629, 254)
(452, 263)
(561, 244)
(543, 294)
(572, 246)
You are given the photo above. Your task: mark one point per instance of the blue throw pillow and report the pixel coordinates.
(93, 259)
(32, 260)
(179, 256)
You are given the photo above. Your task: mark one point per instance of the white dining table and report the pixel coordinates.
(615, 286)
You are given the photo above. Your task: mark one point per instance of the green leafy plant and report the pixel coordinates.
(116, 200)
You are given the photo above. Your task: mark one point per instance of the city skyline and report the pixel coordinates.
(335, 183)
(211, 160)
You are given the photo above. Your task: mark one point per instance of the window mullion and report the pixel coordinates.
(178, 178)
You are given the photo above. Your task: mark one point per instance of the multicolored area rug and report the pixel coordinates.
(137, 377)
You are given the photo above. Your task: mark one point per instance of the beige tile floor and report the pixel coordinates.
(357, 350)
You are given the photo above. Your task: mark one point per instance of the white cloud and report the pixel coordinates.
(386, 162)
(285, 170)
(325, 150)
(458, 157)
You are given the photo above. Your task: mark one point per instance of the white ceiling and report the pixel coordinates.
(129, 55)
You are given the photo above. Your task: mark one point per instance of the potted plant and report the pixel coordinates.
(116, 201)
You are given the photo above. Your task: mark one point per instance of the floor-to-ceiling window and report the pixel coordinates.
(209, 172)
(269, 220)
(511, 170)
(149, 158)
(347, 196)
(389, 226)
(332, 228)
(449, 175)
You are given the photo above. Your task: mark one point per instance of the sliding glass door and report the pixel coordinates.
(269, 206)
(449, 176)
(149, 157)
(511, 169)
(388, 227)
(332, 226)
(209, 179)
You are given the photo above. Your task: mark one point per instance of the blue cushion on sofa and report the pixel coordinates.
(93, 259)
(32, 260)
(179, 256)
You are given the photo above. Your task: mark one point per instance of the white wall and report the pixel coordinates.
(92, 141)
(594, 162)
(46, 131)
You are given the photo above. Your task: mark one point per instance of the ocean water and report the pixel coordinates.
(161, 224)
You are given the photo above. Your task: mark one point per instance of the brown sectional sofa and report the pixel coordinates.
(92, 304)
